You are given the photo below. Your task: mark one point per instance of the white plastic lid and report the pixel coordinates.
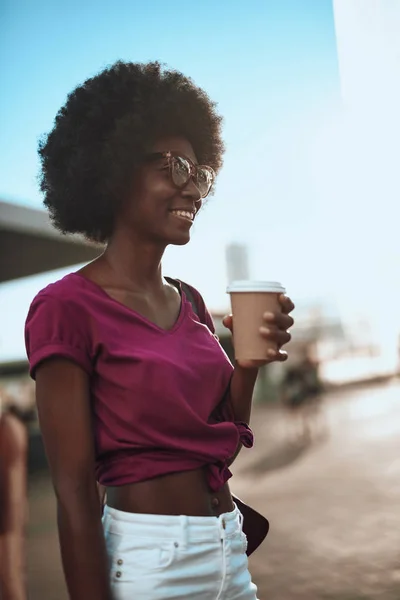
(256, 286)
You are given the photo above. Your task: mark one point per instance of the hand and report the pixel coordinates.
(275, 329)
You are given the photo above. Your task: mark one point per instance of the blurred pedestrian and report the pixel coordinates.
(13, 504)
(302, 394)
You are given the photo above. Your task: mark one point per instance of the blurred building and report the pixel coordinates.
(366, 165)
(368, 47)
(29, 244)
(237, 262)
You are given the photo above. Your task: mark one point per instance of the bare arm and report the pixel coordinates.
(241, 396)
(245, 374)
(241, 392)
(63, 400)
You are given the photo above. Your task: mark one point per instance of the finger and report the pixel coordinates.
(227, 321)
(286, 304)
(276, 335)
(280, 320)
(277, 355)
(282, 356)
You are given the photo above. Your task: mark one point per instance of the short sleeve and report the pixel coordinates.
(56, 328)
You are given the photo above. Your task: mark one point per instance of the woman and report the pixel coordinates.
(128, 376)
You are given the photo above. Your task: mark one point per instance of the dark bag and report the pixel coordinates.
(255, 526)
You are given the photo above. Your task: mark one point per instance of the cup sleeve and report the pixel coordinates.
(56, 328)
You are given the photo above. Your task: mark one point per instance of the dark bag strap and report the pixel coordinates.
(255, 525)
(189, 295)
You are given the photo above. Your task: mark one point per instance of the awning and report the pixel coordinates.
(29, 244)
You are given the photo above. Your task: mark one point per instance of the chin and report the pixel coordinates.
(174, 236)
(181, 240)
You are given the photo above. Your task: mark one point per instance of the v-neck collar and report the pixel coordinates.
(138, 315)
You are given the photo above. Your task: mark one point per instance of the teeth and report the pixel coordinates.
(183, 213)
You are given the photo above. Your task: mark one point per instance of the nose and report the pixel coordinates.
(190, 192)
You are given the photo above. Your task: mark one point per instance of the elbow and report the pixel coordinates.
(70, 492)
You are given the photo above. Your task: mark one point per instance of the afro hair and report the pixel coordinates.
(103, 131)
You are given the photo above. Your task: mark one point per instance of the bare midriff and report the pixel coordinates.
(184, 493)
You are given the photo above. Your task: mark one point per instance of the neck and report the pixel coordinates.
(134, 261)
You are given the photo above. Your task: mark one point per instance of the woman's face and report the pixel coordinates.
(157, 211)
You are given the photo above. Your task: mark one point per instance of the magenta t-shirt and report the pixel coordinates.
(160, 399)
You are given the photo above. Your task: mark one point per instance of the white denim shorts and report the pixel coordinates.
(164, 557)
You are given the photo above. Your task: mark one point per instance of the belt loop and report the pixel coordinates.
(222, 526)
(184, 530)
(106, 520)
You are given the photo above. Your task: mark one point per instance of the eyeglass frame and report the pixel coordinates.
(193, 168)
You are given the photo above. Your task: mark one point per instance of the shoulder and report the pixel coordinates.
(194, 296)
(59, 324)
(186, 287)
(60, 308)
(64, 290)
(67, 297)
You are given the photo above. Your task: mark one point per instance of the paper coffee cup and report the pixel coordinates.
(249, 301)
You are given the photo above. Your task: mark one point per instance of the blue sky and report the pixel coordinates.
(263, 61)
(272, 67)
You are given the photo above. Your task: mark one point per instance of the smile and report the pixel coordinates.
(188, 215)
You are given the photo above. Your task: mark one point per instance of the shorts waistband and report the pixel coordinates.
(172, 527)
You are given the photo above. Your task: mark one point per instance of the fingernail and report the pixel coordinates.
(265, 330)
(272, 352)
(269, 315)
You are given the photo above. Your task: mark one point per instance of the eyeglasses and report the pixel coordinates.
(182, 169)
